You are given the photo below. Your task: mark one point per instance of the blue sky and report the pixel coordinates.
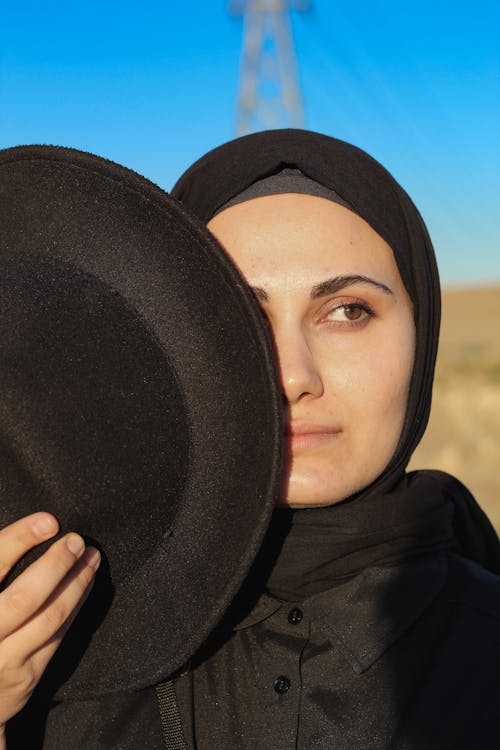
(153, 85)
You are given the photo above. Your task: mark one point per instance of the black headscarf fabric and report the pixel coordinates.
(287, 181)
(397, 516)
(374, 195)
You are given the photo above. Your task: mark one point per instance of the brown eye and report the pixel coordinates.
(353, 312)
(349, 312)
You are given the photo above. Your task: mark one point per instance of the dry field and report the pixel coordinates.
(463, 436)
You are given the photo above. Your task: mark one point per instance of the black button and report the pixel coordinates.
(295, 616)
(282, 684)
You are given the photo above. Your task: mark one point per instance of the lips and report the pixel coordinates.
(301, 436)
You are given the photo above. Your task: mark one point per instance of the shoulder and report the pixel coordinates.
(471, 586)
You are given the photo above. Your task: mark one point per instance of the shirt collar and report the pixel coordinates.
(240, 618)
(366, 615)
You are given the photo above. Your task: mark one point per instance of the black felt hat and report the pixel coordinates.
(138, 403)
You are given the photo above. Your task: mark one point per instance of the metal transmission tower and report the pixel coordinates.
(269, 94)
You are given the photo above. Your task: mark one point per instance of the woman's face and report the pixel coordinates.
(343, 327)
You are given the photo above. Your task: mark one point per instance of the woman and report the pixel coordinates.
(356, 632)
(370, 618)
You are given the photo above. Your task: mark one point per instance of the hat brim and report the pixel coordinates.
(111, 223)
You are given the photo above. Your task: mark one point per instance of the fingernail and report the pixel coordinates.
(45, 525)
(92, 557)
(75, 544)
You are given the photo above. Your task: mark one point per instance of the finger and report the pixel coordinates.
(33, 587)
(21, 536)
(23, 668)
(41, 636)
(44, 654)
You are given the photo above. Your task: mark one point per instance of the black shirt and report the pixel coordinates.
(401, 658)
(405, 657)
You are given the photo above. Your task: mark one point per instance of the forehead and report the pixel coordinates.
(301, 238)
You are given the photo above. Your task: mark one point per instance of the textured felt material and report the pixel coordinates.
(373, 194)
(138, 402)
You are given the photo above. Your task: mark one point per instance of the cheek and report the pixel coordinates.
(369, 382)
(387, 381)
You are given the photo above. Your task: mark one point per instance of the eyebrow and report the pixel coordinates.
(330, 286)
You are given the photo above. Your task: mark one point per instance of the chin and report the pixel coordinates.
(312, 492)
(287, 503)
(311, 499)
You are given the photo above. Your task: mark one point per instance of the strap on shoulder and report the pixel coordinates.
(173, 736)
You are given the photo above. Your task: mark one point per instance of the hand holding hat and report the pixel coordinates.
(37, 609)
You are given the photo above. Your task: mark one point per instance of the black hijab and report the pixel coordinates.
(399, 515)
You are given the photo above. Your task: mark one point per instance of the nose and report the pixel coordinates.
(299, 372)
